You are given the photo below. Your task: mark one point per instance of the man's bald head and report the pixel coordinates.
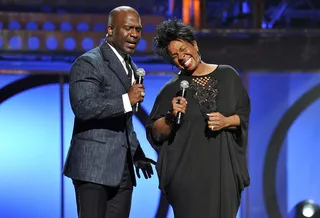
(124, 29)
(114, 14)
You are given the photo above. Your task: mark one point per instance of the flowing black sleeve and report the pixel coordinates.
(155, 114)
(161, 106)
(243, 109)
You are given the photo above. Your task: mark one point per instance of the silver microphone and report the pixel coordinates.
(140, 73)
(184, 84)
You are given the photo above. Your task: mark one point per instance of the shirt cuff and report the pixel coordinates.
(126, 103)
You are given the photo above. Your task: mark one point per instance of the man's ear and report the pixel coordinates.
(110, 30)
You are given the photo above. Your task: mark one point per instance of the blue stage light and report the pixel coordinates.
(1, 42)
(87, 43)
(51, 43)
(245, 7)
(83, 27)
(14, 25)
(65, 26)
(305, 209)
(15, 42)
(48, 26)
(69, 43)
(1, 25)
(33, 42)
(264, 25)
(149, 28)
(99, 27)
(32, 25)
(142, 45)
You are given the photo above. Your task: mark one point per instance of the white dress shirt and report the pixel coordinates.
(125, 97)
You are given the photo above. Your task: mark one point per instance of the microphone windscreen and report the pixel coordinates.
(184, 84)
(140, 72)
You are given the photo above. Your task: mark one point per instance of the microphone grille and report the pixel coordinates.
(184, 84)
(140, 72)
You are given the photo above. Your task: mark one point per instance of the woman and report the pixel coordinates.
(202, 164)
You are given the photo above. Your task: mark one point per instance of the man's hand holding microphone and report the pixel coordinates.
(136, 92)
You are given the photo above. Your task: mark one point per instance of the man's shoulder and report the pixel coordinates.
(92, 56)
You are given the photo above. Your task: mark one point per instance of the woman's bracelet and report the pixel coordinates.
(169, 118)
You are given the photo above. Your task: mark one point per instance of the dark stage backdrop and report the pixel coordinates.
(80, 3)
(34, 138)
(284, 142)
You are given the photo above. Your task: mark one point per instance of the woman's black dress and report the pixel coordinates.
(202, 172)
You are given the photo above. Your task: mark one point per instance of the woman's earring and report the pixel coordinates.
(199, 56)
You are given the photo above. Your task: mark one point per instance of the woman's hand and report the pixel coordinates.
(217, 121)
(161, 128)
(179, 104)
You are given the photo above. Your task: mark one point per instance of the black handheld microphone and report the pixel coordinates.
(140, 73)
(184, 84)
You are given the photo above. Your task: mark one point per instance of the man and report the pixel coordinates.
(104, 145)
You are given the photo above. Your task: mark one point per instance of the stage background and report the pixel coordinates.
(31, 127)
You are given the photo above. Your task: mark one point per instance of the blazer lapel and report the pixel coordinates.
(134, 68)
(115, 64)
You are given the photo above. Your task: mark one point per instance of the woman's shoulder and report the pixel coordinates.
(168, 86)
(171, 82)
(227, 71)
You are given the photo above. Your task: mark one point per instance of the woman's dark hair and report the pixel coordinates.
(171, 30)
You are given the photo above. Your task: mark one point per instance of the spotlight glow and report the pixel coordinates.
(308, 211)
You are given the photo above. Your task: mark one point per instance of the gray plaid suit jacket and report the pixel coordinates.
(102, 131)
